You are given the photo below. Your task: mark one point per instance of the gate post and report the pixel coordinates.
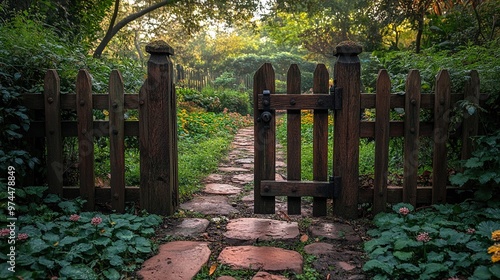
(158, 133)
(346, 128)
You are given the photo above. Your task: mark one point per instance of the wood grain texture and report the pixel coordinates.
(117, 141)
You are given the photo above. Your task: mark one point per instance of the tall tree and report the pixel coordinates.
(192, 14)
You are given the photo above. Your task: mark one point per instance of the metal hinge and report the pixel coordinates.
(266, 116)
(337, 96)
(336, 181)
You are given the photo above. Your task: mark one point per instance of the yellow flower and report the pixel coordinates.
(495, 249)
(495, 235)
(55, 244)
(105, 112)
(495, 257)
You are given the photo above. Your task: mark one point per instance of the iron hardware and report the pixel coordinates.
(266, 116)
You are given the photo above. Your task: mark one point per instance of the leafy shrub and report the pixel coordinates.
(217, 100)
(434, 243)
(483, 168)
(55, 239)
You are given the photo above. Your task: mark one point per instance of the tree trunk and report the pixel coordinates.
(420, 31)
(113, 29)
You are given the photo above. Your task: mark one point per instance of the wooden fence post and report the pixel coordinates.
(346, 128)
(158, 133)
(382, 129)
(264, 140)
(117, 141)
(441, 126)
(53, 132)
(84, 109)
(293, 165)
(411, 134)
(320, 139)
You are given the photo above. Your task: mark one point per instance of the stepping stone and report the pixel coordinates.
(216, 205)
(267, 276)
(261, 258)
(233, 169)
(244, 160)
(242, 178)
(248, 230)
(319, 248)
(189, 228)
(335, 231)
(178, 260)
(214, 177)
(223, 189)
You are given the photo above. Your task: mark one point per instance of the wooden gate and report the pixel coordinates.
(266, 102)
(345, 100)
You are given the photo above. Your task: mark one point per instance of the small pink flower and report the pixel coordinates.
(4, 232)
(423, 237)
(96, 221)
(74, 218)
(404, 211)
(22, 236)
(471, 231)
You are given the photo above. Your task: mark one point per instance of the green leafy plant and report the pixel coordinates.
(438, 242)
(483, 168)
(54, 238)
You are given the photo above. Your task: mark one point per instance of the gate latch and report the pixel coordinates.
(266, 115)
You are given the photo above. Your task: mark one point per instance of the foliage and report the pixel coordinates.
(483, 168)
(217, 100)
(54, 238)
(440, 242)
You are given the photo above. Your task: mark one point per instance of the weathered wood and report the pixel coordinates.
(264, 140)
(34, 101)
(346, 129)
(470, 122)
(55, 167)
(442, 113)
(293, 157)
(156, 144)
(398, 101)
(411, 141)
(85, 137)
(320, 139)
(70, 128)
(315, 101)
(297, 189)
(117, 141)
(381, 141)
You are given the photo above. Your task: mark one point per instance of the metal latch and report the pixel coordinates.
(266, 116)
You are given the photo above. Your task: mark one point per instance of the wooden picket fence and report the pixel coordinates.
(156, 129)
(346, 102)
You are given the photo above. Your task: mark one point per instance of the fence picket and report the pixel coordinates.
(383, 96)
(85, 137)
(411, 134)
(294, 138)
(320, 138)
(55, 167)
(441, 126)
(116, 139)
(264, 151)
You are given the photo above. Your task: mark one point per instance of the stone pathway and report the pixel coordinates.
(217, 228)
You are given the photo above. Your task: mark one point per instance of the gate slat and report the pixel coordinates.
(85, 138)
(53, 132)
(412, 122)
(264, 141)
(381, 141)
(294, 138)
(320, 139)
(116, 139)
(441, 125)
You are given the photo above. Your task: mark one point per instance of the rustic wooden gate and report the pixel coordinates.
(345, 100)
